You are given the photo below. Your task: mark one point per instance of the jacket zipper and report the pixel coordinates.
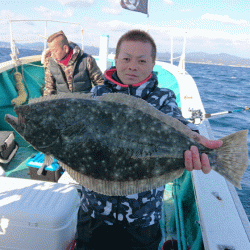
(130, 90)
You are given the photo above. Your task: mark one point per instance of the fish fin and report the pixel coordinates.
(232, 157)
(48, 159)
(85, 96)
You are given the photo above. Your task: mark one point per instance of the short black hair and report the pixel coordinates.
(63, 39)
(139, 36)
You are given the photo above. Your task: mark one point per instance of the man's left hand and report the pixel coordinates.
(193, 160)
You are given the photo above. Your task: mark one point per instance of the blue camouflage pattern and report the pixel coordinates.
(142, 209)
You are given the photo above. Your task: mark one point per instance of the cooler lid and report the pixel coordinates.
(37, 203)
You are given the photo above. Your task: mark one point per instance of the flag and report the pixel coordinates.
(135, 5)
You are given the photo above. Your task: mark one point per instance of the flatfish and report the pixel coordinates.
(118, 144)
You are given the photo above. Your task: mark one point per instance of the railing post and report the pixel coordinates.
(82, 38)
(11, 40)
(45, 40)
(171, 37)
(103, 52)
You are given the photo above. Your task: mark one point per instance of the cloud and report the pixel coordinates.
(114, 9)
(224, 19)
(52, 13)
(7, 15)
(77, 3)
(198, 39)
(169, 2)
(211, 34)
(119, 26)
(111, 11)
(23, 31)
(186, 10)
(115, 26)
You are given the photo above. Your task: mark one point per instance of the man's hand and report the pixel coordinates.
(193, 160)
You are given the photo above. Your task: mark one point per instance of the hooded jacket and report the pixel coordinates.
(142, 209)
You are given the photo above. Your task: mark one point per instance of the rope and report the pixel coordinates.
(22, 95)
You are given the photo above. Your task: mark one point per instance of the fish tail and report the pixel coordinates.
(232, 157)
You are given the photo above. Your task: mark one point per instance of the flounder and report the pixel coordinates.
(118, 144)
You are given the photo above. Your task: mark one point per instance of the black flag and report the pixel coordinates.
(135, 5)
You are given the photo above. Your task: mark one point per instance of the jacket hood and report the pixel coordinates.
(109, 73)
(141, 89)
(76, 51)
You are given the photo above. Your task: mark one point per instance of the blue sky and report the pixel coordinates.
(211, 26)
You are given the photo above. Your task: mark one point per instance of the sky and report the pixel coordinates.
(210, 26)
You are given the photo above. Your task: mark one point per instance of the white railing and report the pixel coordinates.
(182, 57)
(14, 49)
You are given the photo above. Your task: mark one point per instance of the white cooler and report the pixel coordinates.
(37, 215)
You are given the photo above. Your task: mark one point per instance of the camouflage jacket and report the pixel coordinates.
(94, 73)
(142, 209)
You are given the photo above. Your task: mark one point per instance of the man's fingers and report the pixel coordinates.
(188, 160)
(205, 164)
(196, 158)
(194, 161)
(208, 143)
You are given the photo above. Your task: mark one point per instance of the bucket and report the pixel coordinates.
(170, 245)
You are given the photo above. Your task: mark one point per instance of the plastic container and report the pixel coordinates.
(8, 147)
(37, 215)
(51, 173)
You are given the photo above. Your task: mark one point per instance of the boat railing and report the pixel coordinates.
(14, 50)
(181, 65)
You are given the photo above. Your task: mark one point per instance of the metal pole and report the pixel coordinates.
(148, 8)
(184, 51)
(171, 37)
(148, 18)
(11, 39)
(14, 50)
(82, 39)
(45, 35)
(103, 52)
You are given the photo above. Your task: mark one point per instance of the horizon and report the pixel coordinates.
(158, 52)
(220, 27)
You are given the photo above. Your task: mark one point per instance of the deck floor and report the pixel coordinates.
(17, 167)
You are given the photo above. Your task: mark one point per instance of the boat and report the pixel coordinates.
(199, 211)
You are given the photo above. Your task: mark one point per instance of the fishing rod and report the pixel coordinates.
(197, 114)
(227, 112)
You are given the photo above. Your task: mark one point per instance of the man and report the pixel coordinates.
(69, 68)
(132, 222)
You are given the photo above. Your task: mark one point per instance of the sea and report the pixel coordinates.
(226, 88)
(222, 88)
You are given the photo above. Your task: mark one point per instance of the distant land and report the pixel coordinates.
(194, 57)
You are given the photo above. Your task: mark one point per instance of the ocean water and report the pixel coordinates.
(224, 88)
(221, 88)
(5, 53)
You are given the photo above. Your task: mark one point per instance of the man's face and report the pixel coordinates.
(57, 52)
(134, 62)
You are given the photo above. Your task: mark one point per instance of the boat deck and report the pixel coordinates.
(175, 201)
(17, 167)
